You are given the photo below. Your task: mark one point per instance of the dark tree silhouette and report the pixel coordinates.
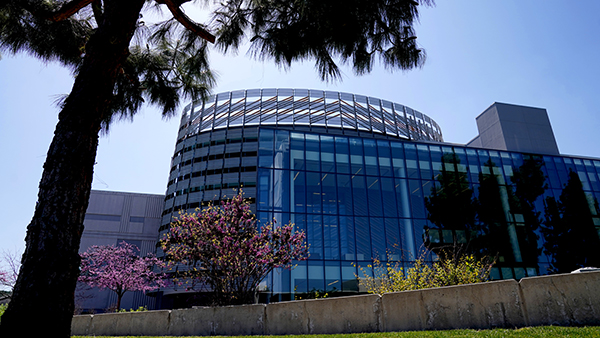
(115, 74)
(451, 206)
(572, 240)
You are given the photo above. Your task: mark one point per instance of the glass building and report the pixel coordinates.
(366, 178)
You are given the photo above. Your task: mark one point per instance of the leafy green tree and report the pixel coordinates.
(115, 74)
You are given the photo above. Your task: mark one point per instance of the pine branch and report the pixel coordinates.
(178, 14)
(65, 11)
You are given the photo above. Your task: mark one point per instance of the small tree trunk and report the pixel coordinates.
(43, 297)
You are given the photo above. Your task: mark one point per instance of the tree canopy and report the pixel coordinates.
(120, 269)
(223, 248)
(120, 62)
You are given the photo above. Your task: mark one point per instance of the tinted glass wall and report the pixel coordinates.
(361, 198)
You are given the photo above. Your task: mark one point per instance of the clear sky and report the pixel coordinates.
(541, 53)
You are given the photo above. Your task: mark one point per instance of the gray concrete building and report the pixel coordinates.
(511, 127)
(111, 218)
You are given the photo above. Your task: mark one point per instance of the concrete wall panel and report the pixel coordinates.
(82, 325)
(568, 299)
(397, 317)
(287, 318)
(222, 321)
(344, 315)
(477, 306)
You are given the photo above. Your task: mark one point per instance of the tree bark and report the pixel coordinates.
(43, 298)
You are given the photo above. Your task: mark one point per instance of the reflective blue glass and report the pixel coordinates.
(314, 236)
(359, 195)
(416, 199)
(388, 195)
(327, 154)
(313, 192)
(374, 196)
(329, 195)
(344, 189)
(316, 278)
(331, 238)
(371, 159)
(298, 191)
(347, 242)
(378, 238)
(333, 277)
(265, 148)
(282, 149)
(281, 186)
(356, 156)
(342, 155)
(363, 238)
(264, 197)
(398, 164)
(349, 272)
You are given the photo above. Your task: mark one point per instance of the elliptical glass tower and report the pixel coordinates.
(367, 178)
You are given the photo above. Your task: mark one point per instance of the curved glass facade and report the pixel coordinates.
(360, 196)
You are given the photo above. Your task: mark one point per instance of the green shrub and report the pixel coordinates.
(2, 309)
(140, 309)
(463, 269)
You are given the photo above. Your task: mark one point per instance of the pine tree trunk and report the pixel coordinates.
(43, 298)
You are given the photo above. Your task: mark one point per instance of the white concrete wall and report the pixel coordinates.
(569, 299)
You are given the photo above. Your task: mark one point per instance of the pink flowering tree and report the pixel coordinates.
(120, 269)
(221, 247)
(9, 269)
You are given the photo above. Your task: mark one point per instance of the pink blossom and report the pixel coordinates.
(120, 269)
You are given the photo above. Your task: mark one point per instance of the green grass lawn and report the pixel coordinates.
(542, 331)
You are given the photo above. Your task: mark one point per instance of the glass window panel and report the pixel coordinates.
(378, 238)
(313, 192)
(374, 196)
(385, 166)
(297, 159)
(312, 160)
(299, 278)
(412, 168)
(281, 186)
(298, 191)
(409, 251)
(416, 199)
(507, 273)
(403, 198)
(349, 281)
(389, 197)
(363, 238)
(347, 239)
(342, 163)
(282, 149)
(426, 172)
(327, 154)
(359, 194)
(327, 163)
(344, 194)
(316, 277)
(265, 148)
(356, 164)
(399, 168)
(333, 278)
(314, 236)
(264, 197)
(342, 155)
(329, 198)
(331, 239)
(392, 237)
(371, 165)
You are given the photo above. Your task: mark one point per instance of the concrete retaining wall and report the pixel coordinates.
(570, 299)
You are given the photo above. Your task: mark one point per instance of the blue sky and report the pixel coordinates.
(541, 53)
